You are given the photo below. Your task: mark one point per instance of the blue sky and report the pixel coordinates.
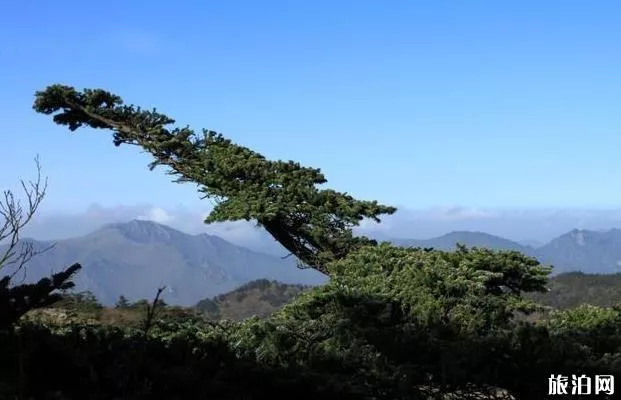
(420, 104)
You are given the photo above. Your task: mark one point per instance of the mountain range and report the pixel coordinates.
(135, 258)
(593, 252)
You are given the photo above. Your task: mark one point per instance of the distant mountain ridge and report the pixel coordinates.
(531, 243)
(135, 258)
(261, 298)
(593, 252)
(468, 238)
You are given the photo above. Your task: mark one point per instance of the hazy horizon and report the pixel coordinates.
(517, 225)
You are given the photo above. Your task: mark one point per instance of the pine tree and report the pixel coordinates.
(283, 197)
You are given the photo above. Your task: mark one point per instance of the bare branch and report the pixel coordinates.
(27, 253)
(148, 321)
(14, 216)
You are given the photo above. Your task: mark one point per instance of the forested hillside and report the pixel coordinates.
(575, 288)
(258, 298)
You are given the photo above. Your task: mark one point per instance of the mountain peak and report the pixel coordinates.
(583, 237)
(578, 236)
(469, 239)
(139, 230)
(469, 233)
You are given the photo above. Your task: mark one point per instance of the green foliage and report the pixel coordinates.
(408, 320)
(313, 224)
(475, 288)
(407, 316)
(174, 362)
(84, 302)
(584, 318)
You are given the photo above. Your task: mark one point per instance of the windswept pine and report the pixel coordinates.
(314, 224)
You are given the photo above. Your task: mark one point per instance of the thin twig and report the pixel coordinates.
(148, 322)
(15, 217)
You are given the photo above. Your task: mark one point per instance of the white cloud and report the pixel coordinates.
(158, 215)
